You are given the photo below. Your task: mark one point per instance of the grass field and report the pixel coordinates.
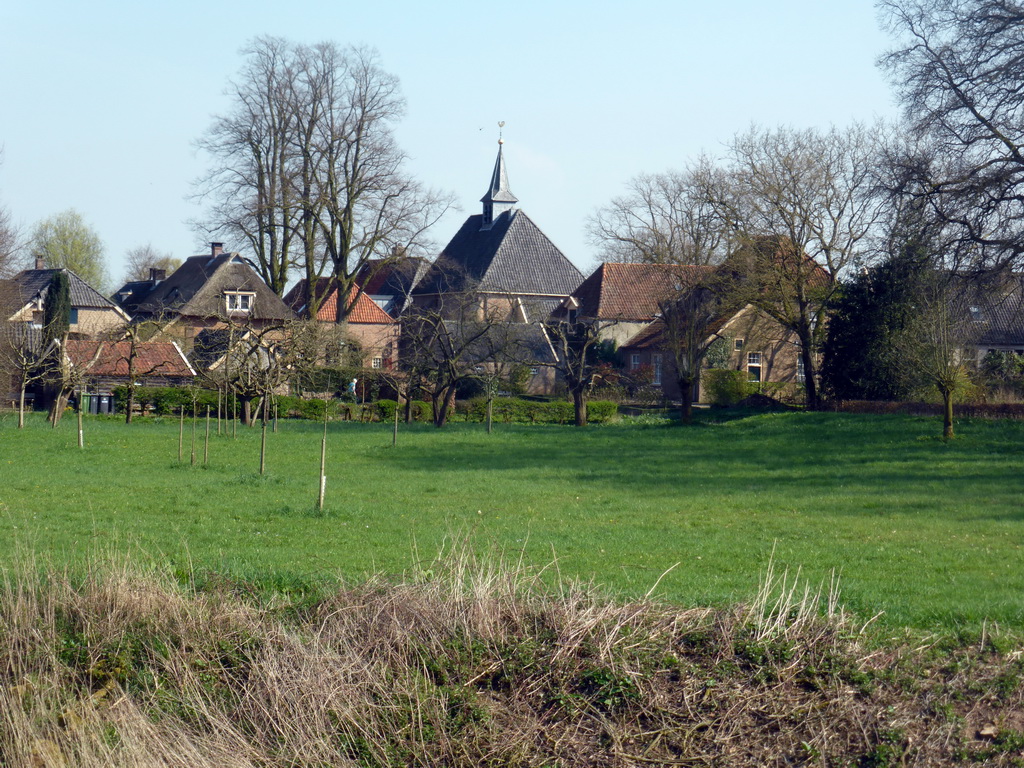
(928, 532)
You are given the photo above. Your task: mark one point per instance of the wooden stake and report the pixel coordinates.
(263, 439)
(206, 445)
(181, 430)
(394, 431)
(81, 434)
(323, 465)
(192, 457)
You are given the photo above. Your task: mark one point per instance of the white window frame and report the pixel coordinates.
(634, 361)
(239, 301)
(754, 366)
(377, 362)
(656, 362)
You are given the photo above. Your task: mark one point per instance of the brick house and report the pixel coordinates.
(208, 291)
(373, 330)
(92, 313)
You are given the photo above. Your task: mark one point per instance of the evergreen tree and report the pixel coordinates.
(860, 357)
(57, 308)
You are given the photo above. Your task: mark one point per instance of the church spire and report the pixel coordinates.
(499, 197)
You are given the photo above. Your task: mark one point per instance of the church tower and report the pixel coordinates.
(499, 198)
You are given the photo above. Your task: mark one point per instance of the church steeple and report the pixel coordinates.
(499, 197)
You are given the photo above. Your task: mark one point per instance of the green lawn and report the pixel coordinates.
(926, 531)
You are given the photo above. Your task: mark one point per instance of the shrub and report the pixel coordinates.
(599, 411)
(725, 387)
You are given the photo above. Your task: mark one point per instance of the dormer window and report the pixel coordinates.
(237, 301)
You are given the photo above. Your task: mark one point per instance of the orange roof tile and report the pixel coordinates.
(633, 292)
(152, 358)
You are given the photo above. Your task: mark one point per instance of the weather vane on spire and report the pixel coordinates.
(501, 124)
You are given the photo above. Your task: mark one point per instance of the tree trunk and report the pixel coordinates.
(60, 402)
(443, 405)
(947, 414)
(129, 404)
(810, 385)
(686, 394)
(490, 413)
(21, 408)
(579, 406)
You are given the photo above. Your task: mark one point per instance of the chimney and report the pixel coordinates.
(157, 275)
(216, 249)
(40, 262)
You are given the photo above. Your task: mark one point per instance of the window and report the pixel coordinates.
(534, 371)
(238, 302)
(656, 363)
(801, 374)
(739, 345)
(634, 361)
(73, 319)
(377, 362)
(754, 366)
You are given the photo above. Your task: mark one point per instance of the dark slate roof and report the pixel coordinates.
(499, 192)
(34, 283)
(997, 306)
(380, 277)
(197, 287)
(11, 298)
(513, 256)
(133, 293)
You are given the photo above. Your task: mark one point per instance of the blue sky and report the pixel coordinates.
(100, 103)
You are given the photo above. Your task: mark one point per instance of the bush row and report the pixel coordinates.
(165, 401)
(514, 410)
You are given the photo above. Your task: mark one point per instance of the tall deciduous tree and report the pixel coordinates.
(958, 68)
(65, 241)
(308, 171)
(803, 205)
(10, 241)
(141, 259)
(672, 218)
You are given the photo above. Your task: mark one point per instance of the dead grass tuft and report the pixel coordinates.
(473, 662)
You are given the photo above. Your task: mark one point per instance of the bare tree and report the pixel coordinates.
(444, 347)
(674, 219)
(20, 360)
(141, 259)
(665, 218)
(691, 320)
(958, 68)
(936, 340)
(803, 205)
(10, 244)
(575, 344)
(10, 241)
(254, 150)
(308, 170)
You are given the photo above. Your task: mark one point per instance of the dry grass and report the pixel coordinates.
(477, 664)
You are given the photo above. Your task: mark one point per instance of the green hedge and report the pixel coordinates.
(511, 410)
(725, 387)
(164, 401)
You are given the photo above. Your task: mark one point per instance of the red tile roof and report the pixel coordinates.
(364, 311)
(152, 358)
(633, 292)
